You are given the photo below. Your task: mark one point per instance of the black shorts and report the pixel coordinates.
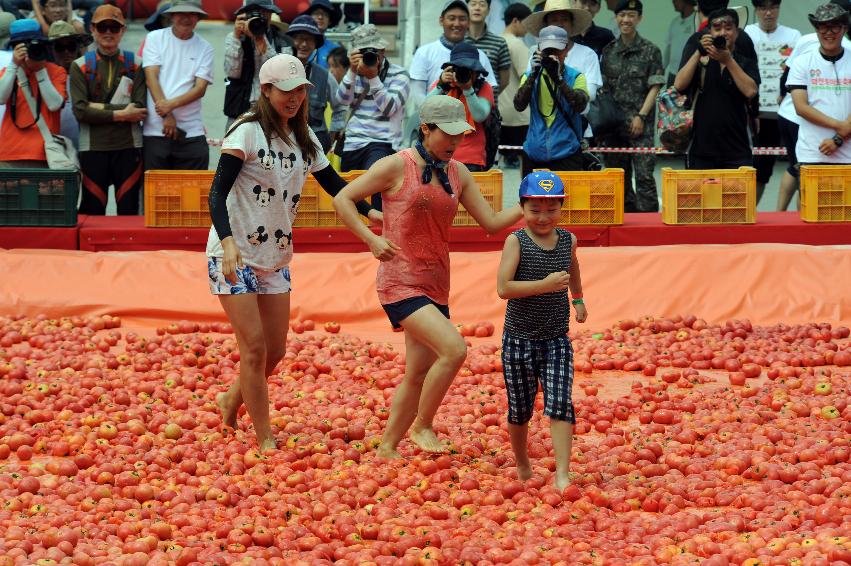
(400, 310)
(789, 136)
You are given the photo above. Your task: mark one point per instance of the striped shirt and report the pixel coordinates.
(379, 115)
(540, 317)
(496, 50)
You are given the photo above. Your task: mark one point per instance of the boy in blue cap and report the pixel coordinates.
(538, 267)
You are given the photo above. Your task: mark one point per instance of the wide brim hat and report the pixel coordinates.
(828, 13)
(24, 30)
(336, 14)
(465, 55)
(276, 21)
(305, 24)
(582, 19)
(187, 7)
(258, 4)
(153, 21)
(62, 29)
(6, 20)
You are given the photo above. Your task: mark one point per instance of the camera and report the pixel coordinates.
(462, 75)
(550, 64)
(719, 42)
(37, 50)
(257, 24)
(369, 56)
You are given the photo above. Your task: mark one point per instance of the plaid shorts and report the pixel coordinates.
(524, 363)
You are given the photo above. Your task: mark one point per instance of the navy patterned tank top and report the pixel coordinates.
(546, 316)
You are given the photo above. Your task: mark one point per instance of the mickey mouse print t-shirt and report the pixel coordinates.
(263, 203)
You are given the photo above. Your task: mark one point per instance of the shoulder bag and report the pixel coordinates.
(59, 150)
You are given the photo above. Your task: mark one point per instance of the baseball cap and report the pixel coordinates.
(447, 113)
(541, 184)
(552, 37)
(108, 12)
(366, 36)
(449, 4)
(283, 71)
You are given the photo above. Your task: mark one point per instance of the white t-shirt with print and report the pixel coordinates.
(181, 61)
(772, 50)
(263, 202)
(828, 91)
(804, 45)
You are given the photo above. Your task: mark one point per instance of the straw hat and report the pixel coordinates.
(581, 18)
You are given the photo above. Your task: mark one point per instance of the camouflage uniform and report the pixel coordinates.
(629, 72)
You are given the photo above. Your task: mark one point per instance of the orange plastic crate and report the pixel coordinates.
(826, 193)
(316, 207)
(592, 197)
(490, 185)
(714, 196)
(177, 199)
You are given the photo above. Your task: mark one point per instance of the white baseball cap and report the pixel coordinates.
(283, 71)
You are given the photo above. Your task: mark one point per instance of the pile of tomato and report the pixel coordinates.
(695, 443)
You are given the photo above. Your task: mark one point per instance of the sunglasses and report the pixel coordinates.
(833, 28)
(65, 47)
(108, 27)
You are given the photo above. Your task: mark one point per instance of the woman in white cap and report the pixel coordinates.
(266, 157)
(421, 189)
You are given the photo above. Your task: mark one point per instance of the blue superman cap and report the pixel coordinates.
(541, 184)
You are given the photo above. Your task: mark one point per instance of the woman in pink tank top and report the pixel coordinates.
(421, 189)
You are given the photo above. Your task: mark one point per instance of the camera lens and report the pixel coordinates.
(257, 23)
(463, 75)
(370, 57)
(37, 51)
(718, 42)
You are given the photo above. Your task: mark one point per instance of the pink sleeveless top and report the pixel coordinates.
(417, 218)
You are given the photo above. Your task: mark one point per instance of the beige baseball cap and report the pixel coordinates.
(283, 71)
(447, 113)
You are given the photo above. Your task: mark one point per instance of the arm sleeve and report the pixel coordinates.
(53, 93)
(486, 63)
(226, 174)
(7, 82)
(205, 69)
(690, 47)
(80, 100)
(479, 106)
(151, 56)
(503, 56)
(346, 90)
(338, 110)
(657, 69)
(139, 94)
(797, 74)
(233, 57)
(332, 184)
(390, 98)
(419, 89)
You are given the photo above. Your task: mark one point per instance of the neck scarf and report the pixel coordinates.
(438, 166)
(446, 43)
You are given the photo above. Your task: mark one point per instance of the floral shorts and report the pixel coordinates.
(248, 280)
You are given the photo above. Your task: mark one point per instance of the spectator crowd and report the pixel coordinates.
(547, 79)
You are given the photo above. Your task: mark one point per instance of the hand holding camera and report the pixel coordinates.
(252, 23)
(715, 47)
(457, 77)
(33, 53)
(550, 62)
(364, 62)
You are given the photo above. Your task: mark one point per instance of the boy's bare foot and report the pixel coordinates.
(268, 444)
(427, 440)
(524, 471)
(228, 412)
(561, 481)
(387, 452)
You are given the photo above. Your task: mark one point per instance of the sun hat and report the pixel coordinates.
(335, 14)
(447, 113)
(542, 184)
(259, 5)
(24, 30)
(153, 21)
(552, 37)
(285, 72)
(306, 24)
(366, 36)
(581, 18)
(828, 13)
(467, 56)
(61, 29)
(187, 7)
(108, 12)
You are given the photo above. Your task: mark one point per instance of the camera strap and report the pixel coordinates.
(35, 109)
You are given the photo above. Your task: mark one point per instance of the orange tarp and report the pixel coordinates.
(765, 282)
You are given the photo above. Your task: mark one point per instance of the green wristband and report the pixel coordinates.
(578, 301)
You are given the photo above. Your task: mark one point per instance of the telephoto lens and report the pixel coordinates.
(37, 50)
(718, 42)
(370, 56)
(462, 75)
(257, 24)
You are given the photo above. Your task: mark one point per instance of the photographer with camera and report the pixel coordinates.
(23, 143)
(724, 83)
(463, 77)
(556, 96)
(375, 90)
(252, 42)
